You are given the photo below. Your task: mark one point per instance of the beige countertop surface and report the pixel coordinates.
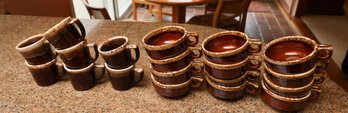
(19, 93)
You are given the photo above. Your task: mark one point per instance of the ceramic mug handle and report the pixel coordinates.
(197, 66)
(315, 92)
(253, 79)
(255, 45)
(197, 82)
(49, 45)
(254, 62)
(319, 77)
(99, 70)
(60, 68)
(140, 73)
(136, 50)
(78, 25)
(196, 54)
(324, 52)
(194, 42)
(96, 52)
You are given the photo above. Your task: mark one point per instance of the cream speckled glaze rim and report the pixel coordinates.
(230, 52)
(286, 89)
(37, 43)
(226, 88)
(236, 80)
(41, 66)
(114, 50)
(77, 71)
(226, 66)
(306, 40)
(72, 48)
(289, 76)
(170, 86)
(286, 99)
(56, 28)
(172, 73)
(172, 59)
(161, 30)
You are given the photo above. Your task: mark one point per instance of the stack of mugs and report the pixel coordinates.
(119, 62)
(230, 67)
(171, 54)
(294, 66)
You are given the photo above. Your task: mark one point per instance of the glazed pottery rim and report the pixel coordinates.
(172, 59)
(75, 71)
(170, 86)
(28, 47)
(157, 31)
(231, 81)
(286, 89)
(118, 70)
(114, 50)
(56, 28)
(229, 52)
(289, 76)
(40, 66)
(226, 88)
(226, 66)
(66, 50)
(303, 39)
(172, 73)
(285, 99)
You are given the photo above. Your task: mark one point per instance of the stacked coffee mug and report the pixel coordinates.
(119, 63)
(171, 54)
(230, 68)
(68, 38)
(40, 59)
(294, 67)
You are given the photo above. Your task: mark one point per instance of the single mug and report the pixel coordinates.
(124, 79)
(296, 54)
(117, 52)
(169, 41)
(36, 50)
(66, 33)
(78, 56)
(176, 90)
(46, 74)
(176, 63)
(229, 47)
(85, 78)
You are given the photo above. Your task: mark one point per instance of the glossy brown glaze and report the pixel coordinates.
(172, 93)
(117, 52)
(36, 50)
(291, 83)
(165, 38)
(175, 79)
(292, 69)
(171, 52)
(124, 79)
(44, 74)
(230, 59)
(225, 92)
(292, 94)
(289, 50)
(225, 43)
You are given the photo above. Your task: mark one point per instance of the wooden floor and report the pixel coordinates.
(264, 20)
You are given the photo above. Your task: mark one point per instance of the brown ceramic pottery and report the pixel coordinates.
(295, 80)
(175, 63)
(117, 52)
(65, 34)
(229, 47)
(232, 71)
(46, 74)
(124, 79)
(176, 90)
(287, 103)
(296, 54)
(85, 78)
(229, 92)
(178, 77)
(36, 50)
(169, 41)
(78, 56)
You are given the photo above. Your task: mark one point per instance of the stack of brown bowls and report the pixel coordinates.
(294, 67)
(171, 54)
(68, 38)
(230, 67)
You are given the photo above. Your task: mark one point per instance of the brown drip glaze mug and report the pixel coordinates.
(296, 54)
(85, 78)
(176, 90)
(66, 33)
(78, 56)
(229, 47)
(180, 76)
(290, 104)
(234, 90)
(232, 71)
(124, 79)
(175, 63)
(117, 52)
(317, 76)
(169, 41)
(46, 74)
(36, 50)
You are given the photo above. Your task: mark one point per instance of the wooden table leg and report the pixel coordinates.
(179, 14)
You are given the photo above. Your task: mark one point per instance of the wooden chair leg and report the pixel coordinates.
(160, 14)
(134, 7)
